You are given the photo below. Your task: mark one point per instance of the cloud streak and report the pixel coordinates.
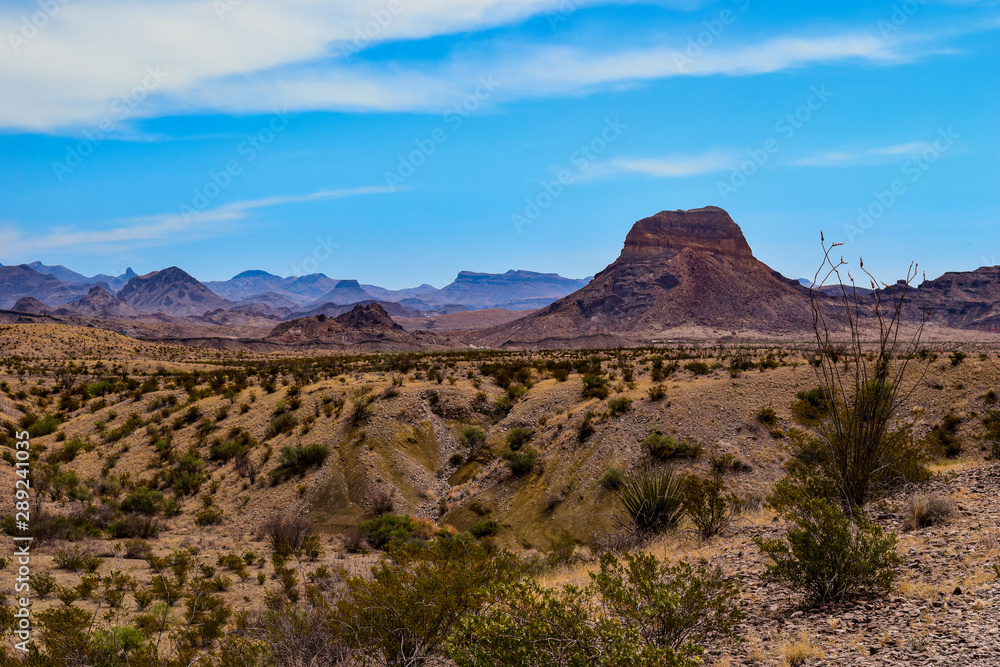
(264, 55)
(877, 155)
(671, 166)
(165, 227)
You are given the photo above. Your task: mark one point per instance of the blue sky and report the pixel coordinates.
(399, 142)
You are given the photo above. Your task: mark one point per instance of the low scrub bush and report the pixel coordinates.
(389, 529)
(143, 501)
(238, 443)
(707, 504)
(697, 368)
(298, 459)
(414, 600)
(613, 478)
(210, 516)
(636, 611)
(811, 406)
(657, 392)
(829, 556)
(924, 510)
(484, 528)
(943, 439)
(585, 428)
(595, 386)
(134, 526)
(284, 422)
(653, 500)
(767, 416)
(519, 437)
(521, 462)
(664, 447)
(287, 534)
(620, 405)
(75, 559)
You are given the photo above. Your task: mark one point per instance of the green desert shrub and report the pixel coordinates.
(653, 500)
(657, 392)
(144, 501)
(521, 462)
(585, 428)
(636, 611)
(284, 422)
(388, 529)
(662, 447)
(298, 459)
(238, 443)
(595, 386)
(518, 437)
(811, 406)
(44, 426)
(707, 504)
(210, 516)
(613, 478)
(413, 601)
(619, 405)
(473, 437)
(698, 368)
(943, 439)
(828, 555)
(766, 415)
(485, 528)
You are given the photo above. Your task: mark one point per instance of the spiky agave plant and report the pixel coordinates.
(653, 500)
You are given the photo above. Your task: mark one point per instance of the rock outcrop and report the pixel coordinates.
(171, 292)
(365, 327)
(678, 269)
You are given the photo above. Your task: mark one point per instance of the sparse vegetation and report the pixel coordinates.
(828, 555)
(662, 447)
(653, 500)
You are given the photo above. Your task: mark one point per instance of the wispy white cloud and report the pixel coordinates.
(911, 148)
(160, 228)
(672, 166)
(850, 158)
(294, 54)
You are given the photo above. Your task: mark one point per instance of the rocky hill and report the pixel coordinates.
(963, 300)
(99, 304)
(515, 290)
(345, 292)
(364, 327)
(20, 281)
(677, 269)
(172, 292)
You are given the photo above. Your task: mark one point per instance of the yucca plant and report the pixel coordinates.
(653, 500)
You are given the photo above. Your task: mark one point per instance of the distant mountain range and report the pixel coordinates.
(680, 275)
(172, 292)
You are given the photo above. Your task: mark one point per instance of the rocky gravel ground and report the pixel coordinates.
(945, 609)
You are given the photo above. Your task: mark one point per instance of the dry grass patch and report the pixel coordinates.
(799, 652)
(923, 510)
